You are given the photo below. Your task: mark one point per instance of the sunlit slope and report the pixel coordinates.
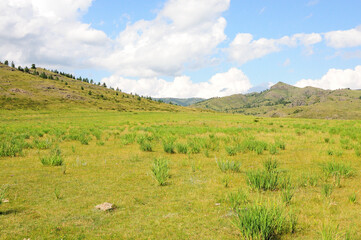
(286, 100)
(20, 90)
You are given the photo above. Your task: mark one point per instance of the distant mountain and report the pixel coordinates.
(43, 89)
(283, 100)
(181, 101)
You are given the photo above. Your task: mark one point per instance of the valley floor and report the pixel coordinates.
(108, 157)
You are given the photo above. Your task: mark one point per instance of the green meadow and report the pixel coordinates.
(176, 175)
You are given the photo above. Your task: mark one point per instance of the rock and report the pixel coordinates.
(218, 204)
(105, 206)
(5, 200)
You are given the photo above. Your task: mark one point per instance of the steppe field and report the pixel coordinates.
(177, 176)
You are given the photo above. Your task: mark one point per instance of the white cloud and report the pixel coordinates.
(184, 34)
(221, 84)
(243, 48)
(344, 39)
(48, 32)
(335, 79)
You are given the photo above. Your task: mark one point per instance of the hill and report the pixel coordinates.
(181, 101)
(39, 88)
(283, 100)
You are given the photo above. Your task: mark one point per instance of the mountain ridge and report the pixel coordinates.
(284, 100)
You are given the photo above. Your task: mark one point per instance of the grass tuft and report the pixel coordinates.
(160, 170)
(53, 159)
(228, 165)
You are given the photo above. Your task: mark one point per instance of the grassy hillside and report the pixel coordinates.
(181, 101)
(285, 100)
(20, 90)
(304, 175)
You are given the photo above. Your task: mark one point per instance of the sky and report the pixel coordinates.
(188, 48)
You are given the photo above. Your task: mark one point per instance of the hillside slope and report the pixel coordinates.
(285, 100)
(181, 101)
(21, 90)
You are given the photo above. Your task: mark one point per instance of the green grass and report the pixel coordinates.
(263, 221)
(160, 171)
(53, 159)
(197, 199)
(229, 165)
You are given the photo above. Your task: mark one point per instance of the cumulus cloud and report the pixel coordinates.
(48, 32)
(184, 34)
(344, 39)
(335, 79)
(221, 84)
(243, 48)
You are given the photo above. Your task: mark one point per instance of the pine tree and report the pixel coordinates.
(6, 62)
(13, 64)
(33, 66)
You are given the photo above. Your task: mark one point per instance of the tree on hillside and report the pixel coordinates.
(43, 75)
(20, 68)
(33, 66)
(6, 62)
(26, 70)
(13, 64)
(104, 85)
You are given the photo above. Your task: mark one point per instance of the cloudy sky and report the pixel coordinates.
(188, 48)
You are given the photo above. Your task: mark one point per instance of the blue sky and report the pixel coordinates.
(200, 48)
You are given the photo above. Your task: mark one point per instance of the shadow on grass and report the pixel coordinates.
(10, 211)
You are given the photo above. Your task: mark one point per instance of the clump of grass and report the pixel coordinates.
(237, 199)
(280, 144)
(128, 138)
(268, 179)
(181, 148)
(273, 149)
(43, 144)
(145, 143)
(160, 170)
(332, 232)
(260, 221)
(358, 151)
(352, 198)
(333, 168)
(270, 165)
(326, 190)
(57, 194)
(3, 190)
(53, 159)
(231, 150)
(168, 146)
(226, 181)
(287, 195)
(327, 140)
(229, 165)
(308, 180)
(263, 180)
(11, 146)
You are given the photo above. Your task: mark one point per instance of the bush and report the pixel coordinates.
(258, 221)
(160, 170)
(54, 159)
(227, 165)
